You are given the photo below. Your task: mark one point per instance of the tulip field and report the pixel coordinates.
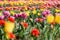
(30, 20)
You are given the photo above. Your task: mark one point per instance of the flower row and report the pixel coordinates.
(23, 20)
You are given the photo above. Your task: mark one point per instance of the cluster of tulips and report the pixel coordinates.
(30, 22)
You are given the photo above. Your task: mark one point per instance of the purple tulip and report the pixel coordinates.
(46, 12)
(6, 13)
(23, 15)
(1, 17)
(16, 15)
(19, 15)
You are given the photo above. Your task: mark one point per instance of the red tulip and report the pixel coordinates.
(11, 35)
(39, 19)
(2, 22)
(35, 32)
(11, 19)
(1, 8)
(25, 24)
(53, 23)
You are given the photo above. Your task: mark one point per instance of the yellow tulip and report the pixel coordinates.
(30, 0)
(5, 2)
(28, 13)
(11, 3)
(11, 12)
(42, 9)
(0, 14)
(57, 18)
(17, 3)
(1, 3)
(9, 26)
(38, 14)
(21, 3)
(25, 8)
(57, 10)
(34, 12)
(41, 2)
(50, 18)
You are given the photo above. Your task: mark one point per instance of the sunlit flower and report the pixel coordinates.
(57, 18)
(35, 32)
(50, 18)
(8, 27)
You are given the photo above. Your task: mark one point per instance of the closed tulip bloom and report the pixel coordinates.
(45, 13)
(25, 25)
(50, 18)
(34, 11)
(8, 27)
(57, 18)
(2, 22)
(10, 35)
(11, 19)
(28, 13)
(57, 10)
(35, 32)
(6, 13)
(38, 14)
(16, 15)
(1, 17)
(39, 19)
(1, 8)
(12, 13)
(23, 15)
